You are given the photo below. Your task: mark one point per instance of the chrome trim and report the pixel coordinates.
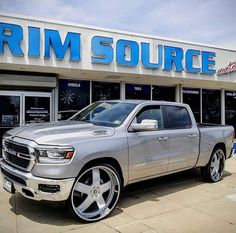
(32, 183)
(31, 156)
(101, 132)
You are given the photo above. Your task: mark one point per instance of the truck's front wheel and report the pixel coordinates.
(95, 193)
(214, 170)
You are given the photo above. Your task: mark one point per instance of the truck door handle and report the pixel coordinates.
(162, 139)
(192, 135)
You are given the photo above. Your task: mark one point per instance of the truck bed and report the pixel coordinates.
(211, 135)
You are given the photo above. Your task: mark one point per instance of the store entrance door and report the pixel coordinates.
(18, 108)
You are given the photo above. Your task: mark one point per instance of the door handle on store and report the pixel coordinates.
(192, 136)
(162, 139)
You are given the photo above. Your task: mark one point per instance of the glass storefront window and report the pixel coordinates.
(37, 109)
(137, 91)
(191, 96)
(163, 93)
(105, 91)
(230, 108)
(211, 106)
(73, 94)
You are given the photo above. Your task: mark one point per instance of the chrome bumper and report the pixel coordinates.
(28, 185)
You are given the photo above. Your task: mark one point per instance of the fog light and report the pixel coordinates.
(49, 188)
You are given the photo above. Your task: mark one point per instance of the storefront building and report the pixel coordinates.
(48, 68)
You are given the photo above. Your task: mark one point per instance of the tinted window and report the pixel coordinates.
(9, 111)
(177, 117)
(163, 93)
(230, 108)
(9, 114)
(102, 91)
(192, 98)
(151, 113)
(211, 106)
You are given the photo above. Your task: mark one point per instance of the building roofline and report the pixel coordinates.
(142, 35)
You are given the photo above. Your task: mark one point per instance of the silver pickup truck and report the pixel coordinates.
(88, 159)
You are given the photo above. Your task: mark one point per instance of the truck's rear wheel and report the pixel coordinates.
(95, 193)
(214, 170)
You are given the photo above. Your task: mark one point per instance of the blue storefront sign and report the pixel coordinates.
(105, 50)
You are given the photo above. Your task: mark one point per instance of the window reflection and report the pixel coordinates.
(191, 96)
(211, 106)
(9, 114)
(163, 93)
(230, 108)
(177, 117)
(9, 111)
(102, 91)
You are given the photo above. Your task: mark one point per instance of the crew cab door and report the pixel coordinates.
(184, 138)
(148, 150)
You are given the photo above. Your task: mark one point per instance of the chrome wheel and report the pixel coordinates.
(95, 193)
(217, 165)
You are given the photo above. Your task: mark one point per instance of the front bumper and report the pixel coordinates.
(29, 185)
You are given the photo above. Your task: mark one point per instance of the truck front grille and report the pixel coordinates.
(24, 163)
(18, 155)
(16, 147)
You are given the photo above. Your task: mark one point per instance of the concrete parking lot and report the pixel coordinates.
(177, 203)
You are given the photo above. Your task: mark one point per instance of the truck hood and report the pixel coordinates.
(60, 133)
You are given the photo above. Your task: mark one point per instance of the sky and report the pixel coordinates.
(202, 21)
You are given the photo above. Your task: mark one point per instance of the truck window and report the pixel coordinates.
(151, 113)
(177, 117)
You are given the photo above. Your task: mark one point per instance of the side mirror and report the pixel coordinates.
(145, 125)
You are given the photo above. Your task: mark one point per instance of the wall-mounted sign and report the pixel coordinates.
(105, 51)
(229, 69)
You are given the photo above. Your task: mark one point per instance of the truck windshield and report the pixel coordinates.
(105, 113)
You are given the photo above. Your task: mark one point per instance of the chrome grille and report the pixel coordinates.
(18, 155)
(17, 160)
(16, 147)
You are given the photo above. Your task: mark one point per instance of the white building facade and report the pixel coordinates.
(48, 67)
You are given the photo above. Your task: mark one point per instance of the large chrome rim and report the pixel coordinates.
(95, 193)
(217, 165)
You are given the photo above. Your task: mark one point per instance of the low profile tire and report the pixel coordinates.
(214, 170)
(95, 193)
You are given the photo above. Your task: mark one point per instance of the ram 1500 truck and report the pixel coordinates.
(89, 158)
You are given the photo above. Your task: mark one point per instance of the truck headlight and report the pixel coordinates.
(54, 155)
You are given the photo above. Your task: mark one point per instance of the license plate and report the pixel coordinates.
(8, 186)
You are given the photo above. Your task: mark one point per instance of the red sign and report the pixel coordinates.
(230, 68)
